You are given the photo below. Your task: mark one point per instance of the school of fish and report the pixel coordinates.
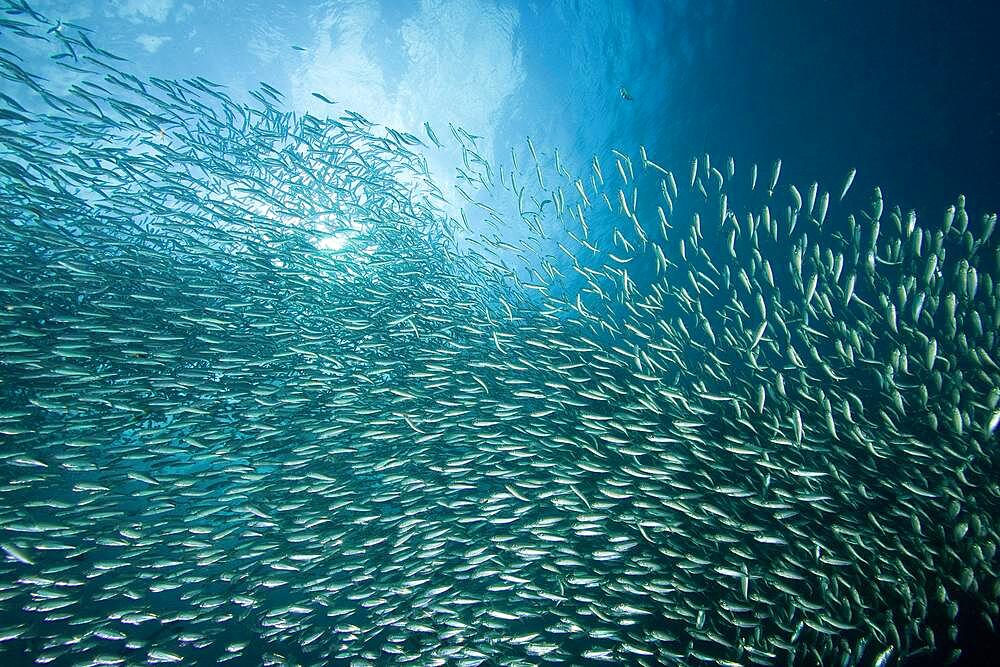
(654, 417)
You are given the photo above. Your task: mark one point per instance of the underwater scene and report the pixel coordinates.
(455, 332)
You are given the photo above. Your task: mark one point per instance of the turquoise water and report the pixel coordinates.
(498, 334)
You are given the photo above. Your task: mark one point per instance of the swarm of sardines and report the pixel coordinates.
(633, 416)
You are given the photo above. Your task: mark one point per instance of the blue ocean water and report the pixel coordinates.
(906, 93)
(903, 91)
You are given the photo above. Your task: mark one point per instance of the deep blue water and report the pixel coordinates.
(906, 92)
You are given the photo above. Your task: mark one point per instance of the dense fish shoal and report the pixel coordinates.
(632, 415)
